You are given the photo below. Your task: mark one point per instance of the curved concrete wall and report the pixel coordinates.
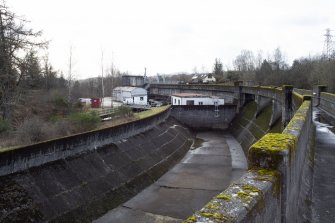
(247, 128)
(81, 186)
(18, 159)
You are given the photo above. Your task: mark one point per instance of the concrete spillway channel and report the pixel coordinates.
(214, 161)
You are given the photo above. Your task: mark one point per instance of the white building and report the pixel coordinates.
(209, 79)
(195, 99)
(131, 95)
(203, 78)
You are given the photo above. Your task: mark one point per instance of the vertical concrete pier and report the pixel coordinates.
(287, 111)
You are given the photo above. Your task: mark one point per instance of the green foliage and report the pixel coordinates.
(4, 126)
(55, 118)
(60, 101)
(85, 121)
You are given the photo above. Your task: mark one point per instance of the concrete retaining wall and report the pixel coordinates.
(327, 102)
(18, 159)
(78, 188)
(204, 117)
(273, 189)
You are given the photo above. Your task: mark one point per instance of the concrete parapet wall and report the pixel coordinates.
(327, 102)
(271, 190)
(204, 117)
(22, 158)
(303, 91)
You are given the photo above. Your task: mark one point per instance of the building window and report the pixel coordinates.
(141, 98)
(201, 103)
(175, 101)
(178, 102)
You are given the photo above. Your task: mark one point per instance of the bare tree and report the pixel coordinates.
(245, 61)
(15, 38)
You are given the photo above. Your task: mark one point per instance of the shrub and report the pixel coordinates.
(85, 121)
(33, 130)
(60, 101)
(55, 118)
(63, 128)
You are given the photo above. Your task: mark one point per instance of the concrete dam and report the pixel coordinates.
(186, 159)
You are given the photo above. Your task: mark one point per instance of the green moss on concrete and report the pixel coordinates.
(213, 206)
(191, 219)
(275, 142)
(268, 150)
(272, 176)
(223, 196)
(248, 192)
(297, 122)
(216, 216)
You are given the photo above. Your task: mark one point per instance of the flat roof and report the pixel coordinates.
(190, 95)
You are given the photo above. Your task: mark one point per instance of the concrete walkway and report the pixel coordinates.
(324, 171)
(204, 172)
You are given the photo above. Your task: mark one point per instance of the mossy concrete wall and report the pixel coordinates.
(204, 117)
(274, 187)
(22, 158)
(80, 187)
(247, 128)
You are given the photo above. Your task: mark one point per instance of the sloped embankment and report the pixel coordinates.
(247, 128)
(81, 187)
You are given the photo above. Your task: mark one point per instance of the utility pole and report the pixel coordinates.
(102, 79)
(145, 75)
(112, 79)
(70, 76)
(328, 45)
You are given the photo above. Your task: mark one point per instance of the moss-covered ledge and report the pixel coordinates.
(270, 150)
(255, 196)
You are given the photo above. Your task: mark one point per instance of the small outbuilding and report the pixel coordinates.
(131, 95)
(195, 99)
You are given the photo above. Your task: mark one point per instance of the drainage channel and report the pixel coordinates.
(213, 162)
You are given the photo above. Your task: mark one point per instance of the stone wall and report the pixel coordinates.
(204, 117)
(273, 189)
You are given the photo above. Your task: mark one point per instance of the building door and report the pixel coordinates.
(189, 102)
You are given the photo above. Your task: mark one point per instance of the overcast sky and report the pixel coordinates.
(174, 35)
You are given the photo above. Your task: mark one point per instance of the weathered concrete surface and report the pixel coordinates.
(324, 177)
(82, 187)
(204, 117)
(202, 173)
